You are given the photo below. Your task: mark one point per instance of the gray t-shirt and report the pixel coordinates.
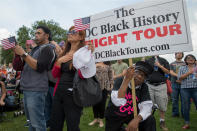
(175, 67)
(118, 68)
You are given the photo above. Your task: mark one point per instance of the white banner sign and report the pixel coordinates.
(145, 29)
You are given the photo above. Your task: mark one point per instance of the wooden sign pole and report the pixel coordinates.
(133, 92)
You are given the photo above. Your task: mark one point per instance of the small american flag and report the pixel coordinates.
(82, 23)
(8, 43)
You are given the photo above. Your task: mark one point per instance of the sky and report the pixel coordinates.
(16, 13)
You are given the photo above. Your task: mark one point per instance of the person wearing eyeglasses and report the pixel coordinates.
(64, 108)
(120, 108)
(34, 76)
(188, 76)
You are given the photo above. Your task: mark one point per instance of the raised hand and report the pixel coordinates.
(129, 73)
(19, 50)
(65, 58)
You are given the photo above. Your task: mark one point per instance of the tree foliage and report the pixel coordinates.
(24, 33)
(58, 33)
(6, 56)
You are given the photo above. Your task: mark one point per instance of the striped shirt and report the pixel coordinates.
(188, 82)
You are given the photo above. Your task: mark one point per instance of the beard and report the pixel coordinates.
(39, 42)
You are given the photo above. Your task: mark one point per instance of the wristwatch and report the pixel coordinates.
(24, 55)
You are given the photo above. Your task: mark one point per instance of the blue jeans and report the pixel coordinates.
(35, 103)
(187, 94)
(176, 91)
(48, 104)
(25, 109)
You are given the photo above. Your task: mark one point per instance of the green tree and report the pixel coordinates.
(24, 33)
(58, 33)
(6, 56)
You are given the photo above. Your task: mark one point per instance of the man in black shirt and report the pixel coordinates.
(157, 86)
(120, 107)
(34, 77)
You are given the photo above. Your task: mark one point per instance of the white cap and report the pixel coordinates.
(84, 60)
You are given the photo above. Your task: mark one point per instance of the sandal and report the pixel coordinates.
(93, 122)
(185, 127)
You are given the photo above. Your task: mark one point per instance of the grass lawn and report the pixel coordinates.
(10, 123)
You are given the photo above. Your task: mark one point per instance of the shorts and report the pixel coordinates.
(159, 95)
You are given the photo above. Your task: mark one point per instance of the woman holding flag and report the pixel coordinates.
(63, 107)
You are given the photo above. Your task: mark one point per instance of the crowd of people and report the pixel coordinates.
(8, 78)
(48, 70)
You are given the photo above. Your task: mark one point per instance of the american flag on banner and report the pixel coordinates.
(8, 43)
(82, 23)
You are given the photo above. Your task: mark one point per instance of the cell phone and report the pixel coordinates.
(29, 42)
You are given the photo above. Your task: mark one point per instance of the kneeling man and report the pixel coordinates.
(120, 108)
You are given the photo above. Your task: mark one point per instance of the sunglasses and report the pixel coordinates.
(72, 32)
